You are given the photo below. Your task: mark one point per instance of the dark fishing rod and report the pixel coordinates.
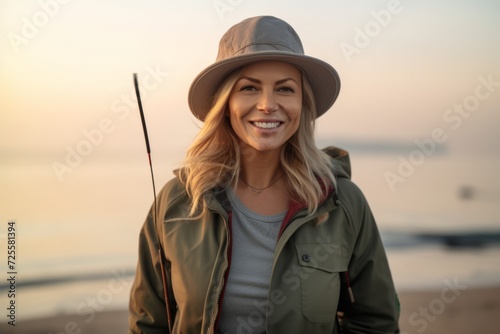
(160, 250)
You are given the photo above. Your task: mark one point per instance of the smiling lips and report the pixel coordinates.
(266, 125)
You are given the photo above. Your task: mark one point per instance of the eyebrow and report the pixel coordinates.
(279, 82)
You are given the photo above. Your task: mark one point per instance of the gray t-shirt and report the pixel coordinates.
(254, 238)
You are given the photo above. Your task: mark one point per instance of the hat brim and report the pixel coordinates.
(323, 78)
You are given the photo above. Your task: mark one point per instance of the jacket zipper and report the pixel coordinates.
(221, 284)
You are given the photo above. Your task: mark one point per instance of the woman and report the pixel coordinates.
(261, 232)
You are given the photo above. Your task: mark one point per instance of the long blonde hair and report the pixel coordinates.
(213, 159)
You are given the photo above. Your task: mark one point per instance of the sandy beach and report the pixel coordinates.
(451, 310)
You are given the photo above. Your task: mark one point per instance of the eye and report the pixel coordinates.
(248, 88)
(286, 89)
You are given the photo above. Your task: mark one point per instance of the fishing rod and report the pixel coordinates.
(160, 250)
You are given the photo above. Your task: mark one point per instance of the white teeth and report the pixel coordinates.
(266, 125)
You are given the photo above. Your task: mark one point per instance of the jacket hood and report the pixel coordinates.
(340, 160)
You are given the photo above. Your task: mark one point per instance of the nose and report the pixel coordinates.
(267, 101)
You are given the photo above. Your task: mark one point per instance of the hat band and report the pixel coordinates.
(259, 47)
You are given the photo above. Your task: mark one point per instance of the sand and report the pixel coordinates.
(453, 311)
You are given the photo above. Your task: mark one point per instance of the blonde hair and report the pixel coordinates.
(213, 159)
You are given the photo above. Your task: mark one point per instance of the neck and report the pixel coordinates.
(262, 185)
(260, 169)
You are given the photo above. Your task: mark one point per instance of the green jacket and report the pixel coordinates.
(317, 259)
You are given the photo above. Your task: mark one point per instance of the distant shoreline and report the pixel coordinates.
(431, 312)
(452, 240)
(68, 278)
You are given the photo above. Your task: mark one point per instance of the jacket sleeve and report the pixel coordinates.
(376, 306)
(147, 310)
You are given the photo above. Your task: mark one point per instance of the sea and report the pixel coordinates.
(76, 238)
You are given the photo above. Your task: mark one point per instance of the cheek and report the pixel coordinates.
(233, 109)
(295, 113)
(296, 119)
(236, 113)
(234, 120)
(294, 106)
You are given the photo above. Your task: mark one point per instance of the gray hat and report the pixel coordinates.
(262, 38)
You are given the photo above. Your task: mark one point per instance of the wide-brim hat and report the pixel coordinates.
(256, 39)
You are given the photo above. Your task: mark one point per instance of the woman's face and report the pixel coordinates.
(265, 105)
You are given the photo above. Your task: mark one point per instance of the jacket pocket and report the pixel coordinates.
(320, 265)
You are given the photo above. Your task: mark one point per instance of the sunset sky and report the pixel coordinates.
(64, 75)
(66, 80)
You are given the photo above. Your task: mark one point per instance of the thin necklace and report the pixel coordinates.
(259, 190)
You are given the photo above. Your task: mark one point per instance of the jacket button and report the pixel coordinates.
(306, 258)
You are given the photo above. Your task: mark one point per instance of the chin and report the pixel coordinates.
(267, 148)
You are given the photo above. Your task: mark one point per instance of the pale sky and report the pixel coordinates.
(66, 70)
(65, 75)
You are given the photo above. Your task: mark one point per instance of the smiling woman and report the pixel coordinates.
(264, 110)
(265, 105)
(260, 230)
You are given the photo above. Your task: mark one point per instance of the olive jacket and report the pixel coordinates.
(328, 262)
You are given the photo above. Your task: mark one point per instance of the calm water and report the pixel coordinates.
(77, 239)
